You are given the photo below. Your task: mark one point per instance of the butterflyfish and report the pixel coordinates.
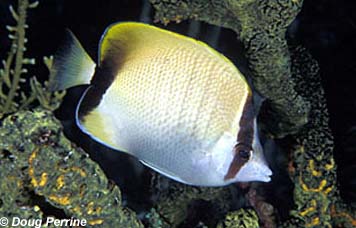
(176, 104)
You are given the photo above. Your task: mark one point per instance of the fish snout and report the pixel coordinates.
(254, 170)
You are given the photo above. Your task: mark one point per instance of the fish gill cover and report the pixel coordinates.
(44, 174)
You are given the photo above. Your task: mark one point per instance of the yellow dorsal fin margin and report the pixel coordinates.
(121, 41)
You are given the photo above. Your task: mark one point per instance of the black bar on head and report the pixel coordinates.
(244, 138)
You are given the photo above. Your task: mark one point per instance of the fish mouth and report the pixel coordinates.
(254, 171)
(267, 173)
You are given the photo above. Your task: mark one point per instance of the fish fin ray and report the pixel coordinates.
(72, 66)
(164, 172)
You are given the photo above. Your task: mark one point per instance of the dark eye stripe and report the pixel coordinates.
(244, 154)
(243, 148)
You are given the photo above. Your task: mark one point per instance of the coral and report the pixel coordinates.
(214, 12)
(243, 218)
(263, 209)
(312, 168)
(261, 26)
(175, 199)
(44, 172)
(14, 69)
(13, 197)
(343, 215)
(154, 220)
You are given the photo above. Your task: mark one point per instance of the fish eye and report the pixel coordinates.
(244, 154)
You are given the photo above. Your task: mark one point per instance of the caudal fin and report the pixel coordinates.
(72, 66)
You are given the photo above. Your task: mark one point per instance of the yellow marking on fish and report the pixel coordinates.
(94, 123)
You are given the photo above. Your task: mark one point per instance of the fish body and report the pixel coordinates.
(171, 101)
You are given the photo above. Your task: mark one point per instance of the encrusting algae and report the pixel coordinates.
(242, 218)
(45, 174)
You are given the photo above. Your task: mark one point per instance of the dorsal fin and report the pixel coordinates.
(72, 66)
(114, 40)
(122, 39)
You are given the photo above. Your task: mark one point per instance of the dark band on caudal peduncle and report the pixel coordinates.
(103, 78)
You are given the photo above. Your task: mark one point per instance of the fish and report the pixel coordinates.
(173, 102)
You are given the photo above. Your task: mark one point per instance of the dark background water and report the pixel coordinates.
(327, 28)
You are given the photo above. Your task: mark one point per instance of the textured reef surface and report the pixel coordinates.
(44, 174)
